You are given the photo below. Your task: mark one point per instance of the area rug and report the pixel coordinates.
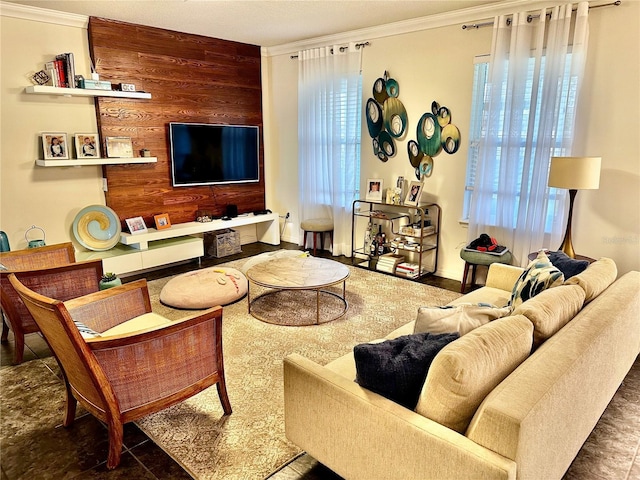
(250, 443)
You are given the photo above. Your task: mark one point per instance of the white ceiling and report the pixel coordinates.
(259, 22)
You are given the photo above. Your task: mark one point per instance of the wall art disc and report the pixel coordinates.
(382, 157)
(435, 106)
(375, 118)
(97, 228)
(380, 90)
(428, 131)
(444, 116)
(395, 117)
(426, 166)
(387, 145)
(376, 146)
(393, 88)
(415, 154)
(418, 176)
(450, 138)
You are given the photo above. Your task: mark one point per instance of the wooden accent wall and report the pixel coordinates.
(192, 79)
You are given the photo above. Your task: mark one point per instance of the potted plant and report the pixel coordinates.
(109, 280)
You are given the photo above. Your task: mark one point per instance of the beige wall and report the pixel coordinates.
(437, 64)
(30, 195)
(429, 65)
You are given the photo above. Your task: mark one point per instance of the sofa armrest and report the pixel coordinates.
(503, 276)
(362, 435)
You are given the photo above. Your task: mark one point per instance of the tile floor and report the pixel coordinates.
(37, 446)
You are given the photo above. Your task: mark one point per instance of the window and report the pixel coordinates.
(477, 130)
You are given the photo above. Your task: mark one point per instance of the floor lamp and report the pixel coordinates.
(573, 173)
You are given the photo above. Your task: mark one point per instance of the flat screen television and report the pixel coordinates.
(207, 154)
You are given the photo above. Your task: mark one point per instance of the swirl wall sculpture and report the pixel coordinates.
(97, 228)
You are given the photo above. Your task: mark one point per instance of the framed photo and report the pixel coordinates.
(162, 221)
(374, 189)
(136, 225)
(87, 145)
(55, 146)
(413, 194)
(119, 147)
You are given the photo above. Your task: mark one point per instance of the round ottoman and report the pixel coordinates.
(204, 288)
(471, 259)
(318, 226)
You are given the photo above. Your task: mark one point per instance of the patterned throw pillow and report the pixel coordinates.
(85, 331)
(539, 275)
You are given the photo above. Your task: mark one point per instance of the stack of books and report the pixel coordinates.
(62, 71)
(388, 262)
(408, 270)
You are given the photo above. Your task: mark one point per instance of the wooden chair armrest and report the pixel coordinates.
(107, 308)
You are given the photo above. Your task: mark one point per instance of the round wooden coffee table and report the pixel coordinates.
(295, 274)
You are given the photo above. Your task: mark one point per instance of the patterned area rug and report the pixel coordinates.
(250, 443)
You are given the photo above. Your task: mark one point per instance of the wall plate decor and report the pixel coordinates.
(97, 228)
(386, 117)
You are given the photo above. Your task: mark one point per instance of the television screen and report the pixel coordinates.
(204, 154)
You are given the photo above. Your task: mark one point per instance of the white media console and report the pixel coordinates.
(179, 242)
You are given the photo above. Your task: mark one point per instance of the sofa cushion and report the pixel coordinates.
(567, 265)
(460, 318)
(551, 310)
(539, 275)
(396, 368)
(596, 278)
(465, 371)
(136, 324)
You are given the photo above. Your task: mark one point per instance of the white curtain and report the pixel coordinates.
(329, 126)
(535, 74)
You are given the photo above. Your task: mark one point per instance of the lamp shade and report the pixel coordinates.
(575, 173)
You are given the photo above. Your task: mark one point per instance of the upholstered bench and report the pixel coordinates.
(472, 259)
(204, 288)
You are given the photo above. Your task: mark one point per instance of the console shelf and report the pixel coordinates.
(83, 92)
(78, 162)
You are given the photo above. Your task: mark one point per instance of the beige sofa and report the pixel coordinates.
(529, 426)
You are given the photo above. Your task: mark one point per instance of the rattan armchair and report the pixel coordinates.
(126, 376)
(38, 261)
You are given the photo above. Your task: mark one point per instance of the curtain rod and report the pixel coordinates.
(342, 49)
(531, 17)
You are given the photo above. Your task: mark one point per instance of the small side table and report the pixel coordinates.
(473, 259)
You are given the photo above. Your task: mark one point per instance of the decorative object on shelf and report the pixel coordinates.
(386, 117)
(87, 145)
(97, 228)
(4, 244)
(162, 221)
(126, 87)
(41, 77)
(55, 146)
(109, 280)
(37, 242)
(145, 152)
(374, 189)
(573, 173)
(434, 133)
(119, 147)
(414, 193)
(136, 225)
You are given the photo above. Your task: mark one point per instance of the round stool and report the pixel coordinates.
(472, 259)
(317, 226)
(204, 288)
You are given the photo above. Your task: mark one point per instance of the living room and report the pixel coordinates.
(432, 61)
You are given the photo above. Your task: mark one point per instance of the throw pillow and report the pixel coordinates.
(538, 276)
(85, 331)
(461, 318)
(567, 265)
(465, 371)
(396, 368)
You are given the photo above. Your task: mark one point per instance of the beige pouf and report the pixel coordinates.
(204, 288)
(318, 226)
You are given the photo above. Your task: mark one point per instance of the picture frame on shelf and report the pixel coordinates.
(414, 193)
(87, 145)
(55, 146)
(162, 221)
(136, 225)
(374, 189)
(119, 147)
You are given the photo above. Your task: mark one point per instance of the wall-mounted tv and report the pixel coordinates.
(207, 154)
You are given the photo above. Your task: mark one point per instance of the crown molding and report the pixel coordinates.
(457, 17)
(37, 14)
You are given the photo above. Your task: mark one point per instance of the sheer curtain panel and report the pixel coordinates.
(535, 74)
(329, 126)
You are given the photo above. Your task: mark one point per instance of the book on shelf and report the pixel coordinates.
(388, 262)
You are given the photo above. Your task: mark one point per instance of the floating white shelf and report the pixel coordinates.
(82, 92)
(77, 162)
